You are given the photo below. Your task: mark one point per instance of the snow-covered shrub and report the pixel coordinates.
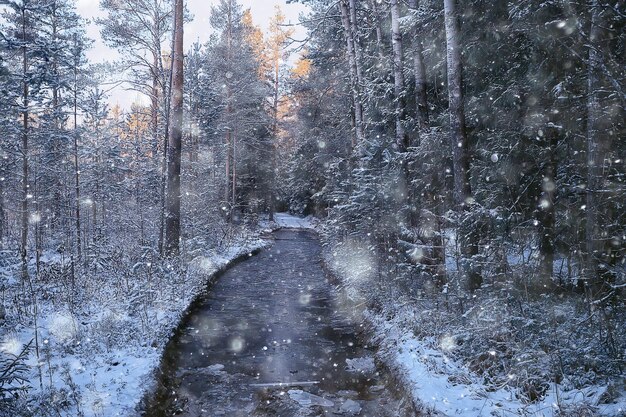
(113, 329)
(14, 376)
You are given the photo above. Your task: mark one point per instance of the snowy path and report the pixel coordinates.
(288, 221)
(266, 341)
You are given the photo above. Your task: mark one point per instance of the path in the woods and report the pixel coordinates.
(271, 320)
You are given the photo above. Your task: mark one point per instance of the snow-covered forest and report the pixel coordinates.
(454, 173)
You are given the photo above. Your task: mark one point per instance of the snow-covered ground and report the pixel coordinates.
(286, 220)
(105, 378)
(426, 366)
(99, 358)
(442, 386)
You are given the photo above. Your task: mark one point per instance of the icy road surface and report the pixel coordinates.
(266, 341)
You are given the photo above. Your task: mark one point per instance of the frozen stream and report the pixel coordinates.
(267, 341)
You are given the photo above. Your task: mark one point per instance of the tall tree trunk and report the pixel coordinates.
(229, 157)
(37, 232)
(594, 149)
(402, 139)
(458, 131)
(272, 196)
(234, 185)
(26, 192)
(167, 97)
(458, 138)
(163, 190)
(229, 117)
(2, 215)
(419, 70)
(273, 149)
(355, 85)
(172, 229)
(57, 184)
(25, 127)
(154, 105)
(546, 211)
(76, 164)
(358, 55)
(379, 32)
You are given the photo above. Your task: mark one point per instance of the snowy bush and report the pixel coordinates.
(14, 376)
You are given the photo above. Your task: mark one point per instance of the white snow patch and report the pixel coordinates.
(11, 345)
(286, 220)
(107, 352)
(63, 327)
(427, 372)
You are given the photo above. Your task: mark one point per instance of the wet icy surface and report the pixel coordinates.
(268, 341)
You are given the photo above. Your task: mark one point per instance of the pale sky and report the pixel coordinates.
(198, 29)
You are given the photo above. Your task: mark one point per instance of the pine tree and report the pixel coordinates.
(233, 107)
(138, 28)
(275, 58)
(21, 44)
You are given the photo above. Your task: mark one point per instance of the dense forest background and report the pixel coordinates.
(466, 160)
(485, 170)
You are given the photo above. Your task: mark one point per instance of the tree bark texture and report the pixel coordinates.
(25, 168)
(458, 139)
(402, 139)
(354, 71)
(594, 148)
(458, 131)
(419, 70)
(172, 235)
(76, 162)
(546, 211)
